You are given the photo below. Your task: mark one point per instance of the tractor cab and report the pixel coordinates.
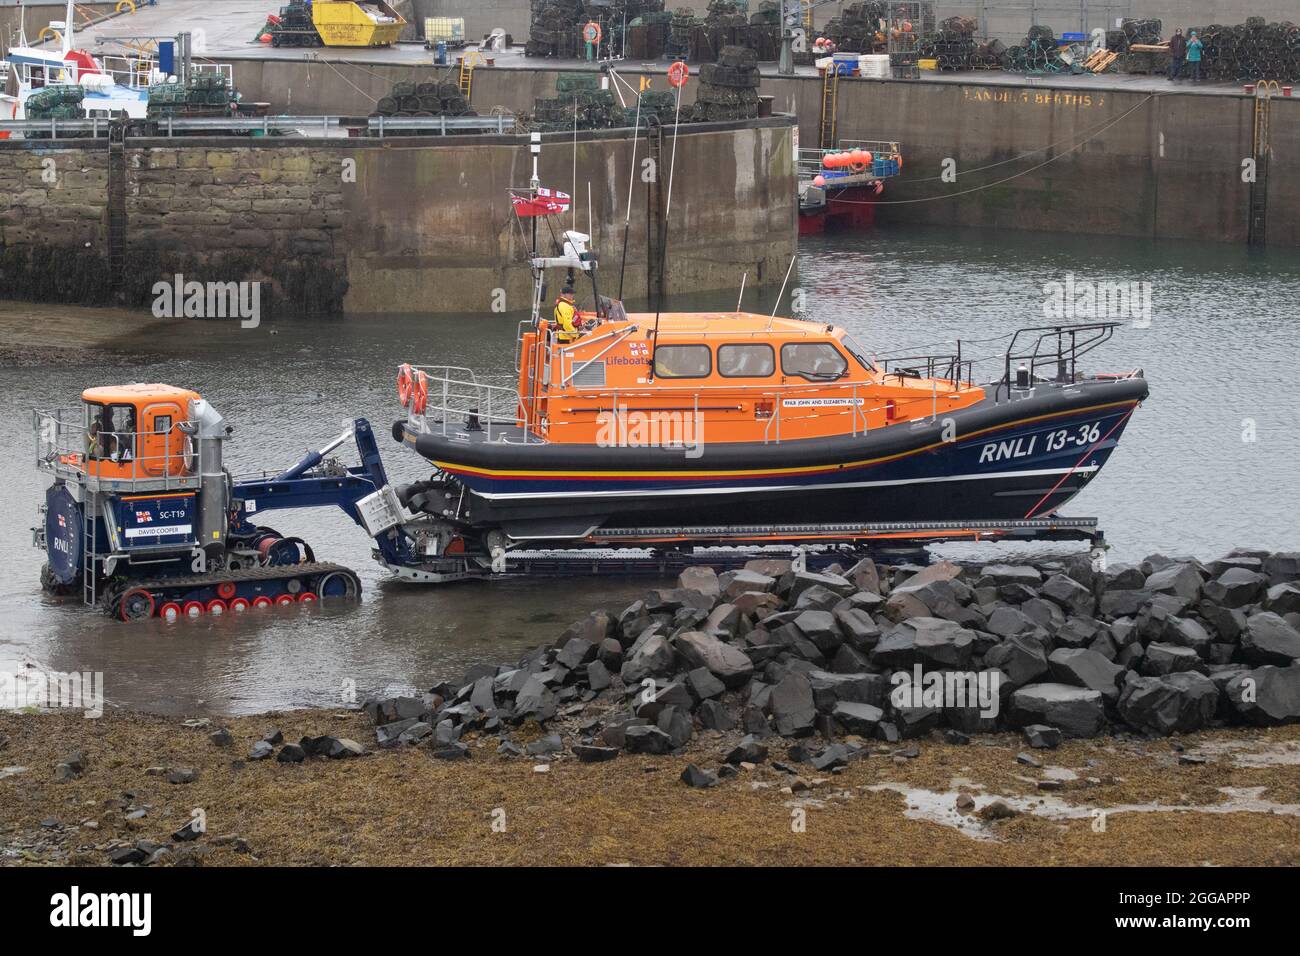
(133, 433)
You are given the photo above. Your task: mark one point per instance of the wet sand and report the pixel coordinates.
(402, 807)
(35, 334)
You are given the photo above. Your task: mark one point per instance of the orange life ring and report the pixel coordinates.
(404, 385)
(677, 74)
(419, 393)
(591, 32)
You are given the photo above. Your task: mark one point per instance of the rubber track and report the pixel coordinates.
(270, 572)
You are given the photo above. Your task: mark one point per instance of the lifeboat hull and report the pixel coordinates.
(1011, 456)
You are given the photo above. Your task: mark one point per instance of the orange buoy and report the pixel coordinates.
(404, 383)
(677, 74)
(420, 393)
(591, 32)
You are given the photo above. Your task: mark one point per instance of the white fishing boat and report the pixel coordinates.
(115, 86)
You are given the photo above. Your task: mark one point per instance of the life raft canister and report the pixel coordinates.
(404, 385)
(591, 32)
(677, 74)
(419, 393)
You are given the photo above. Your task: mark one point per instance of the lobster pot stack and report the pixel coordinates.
(580, 104)
(1252, 51)
(56, 102)
(952, 46)
(727, 24)
(441, 98)
(1038, 54)
(728, 89)
(1144, 31)
(207, 94)
(859, 29)
(680, 29)
(554, 28)
(647, 36)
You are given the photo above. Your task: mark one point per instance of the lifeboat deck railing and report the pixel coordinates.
(458, 401)
(950, 366)
(1056, 348)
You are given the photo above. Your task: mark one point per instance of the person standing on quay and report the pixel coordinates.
(1194, 56)
(1177, 52)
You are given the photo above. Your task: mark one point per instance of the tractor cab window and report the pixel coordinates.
(110, 432)
(816, 361)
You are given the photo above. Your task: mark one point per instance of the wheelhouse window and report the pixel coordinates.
(683, 361)
(110, 432)
(858, 352)
(816, 361)
(746, 361)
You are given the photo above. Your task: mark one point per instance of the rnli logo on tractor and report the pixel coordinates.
(143, 516)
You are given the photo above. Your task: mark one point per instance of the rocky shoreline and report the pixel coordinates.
(830, 660)
(767, 692)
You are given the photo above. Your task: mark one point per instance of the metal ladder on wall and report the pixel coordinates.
(1257, 224)
(467, 64)
(89, 514)
(830, 95)
(116, 203)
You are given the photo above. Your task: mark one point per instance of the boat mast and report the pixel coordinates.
(67, 31)
(535, 147)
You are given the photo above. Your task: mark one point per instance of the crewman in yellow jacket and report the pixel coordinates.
(566, 316)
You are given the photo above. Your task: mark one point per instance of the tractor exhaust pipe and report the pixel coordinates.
(209, 431)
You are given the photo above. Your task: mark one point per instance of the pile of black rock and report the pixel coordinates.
(840, 656)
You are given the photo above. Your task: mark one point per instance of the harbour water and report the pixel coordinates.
(1208, 464)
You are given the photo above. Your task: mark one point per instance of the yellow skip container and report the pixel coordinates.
(356, 22)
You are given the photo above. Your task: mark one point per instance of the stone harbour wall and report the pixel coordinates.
(399, 225)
